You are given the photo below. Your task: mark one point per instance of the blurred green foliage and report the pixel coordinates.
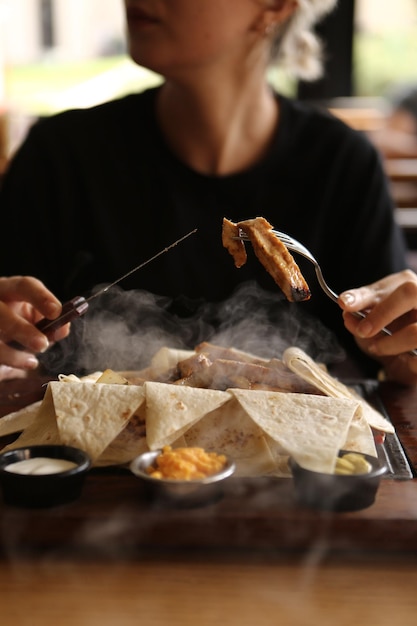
(382, 61)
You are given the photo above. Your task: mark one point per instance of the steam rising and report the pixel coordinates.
(123, 329)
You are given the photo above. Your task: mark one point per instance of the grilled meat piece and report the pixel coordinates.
(275, 257)
(234, 245)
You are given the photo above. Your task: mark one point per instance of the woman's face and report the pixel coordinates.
(170, 36)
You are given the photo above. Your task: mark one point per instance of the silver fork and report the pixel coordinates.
(295, 246)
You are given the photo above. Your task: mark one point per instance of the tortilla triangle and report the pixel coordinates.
(42, 430)
(303, 365)
(19, 420)
(312, 429)
(231, 431)
(172, 409)
(360, 437)
(129, 443)
(90, 416)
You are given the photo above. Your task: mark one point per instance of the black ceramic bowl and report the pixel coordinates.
(187, 493)
(43, 490)
(337, 492)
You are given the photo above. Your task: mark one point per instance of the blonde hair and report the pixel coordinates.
(296, 48)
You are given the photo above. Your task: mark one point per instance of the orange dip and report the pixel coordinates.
(186, 463)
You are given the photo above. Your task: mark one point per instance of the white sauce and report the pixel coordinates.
(40, 465)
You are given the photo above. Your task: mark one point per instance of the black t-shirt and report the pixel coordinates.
(91, 193)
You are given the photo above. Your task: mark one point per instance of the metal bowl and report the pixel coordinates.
(337, 492)
(180, 492)
(43, 490)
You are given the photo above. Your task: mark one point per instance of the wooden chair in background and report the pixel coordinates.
(401, 171)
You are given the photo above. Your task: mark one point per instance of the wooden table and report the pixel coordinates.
(235, 591)
(114, 558)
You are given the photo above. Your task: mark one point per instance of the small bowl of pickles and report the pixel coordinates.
(352, 486)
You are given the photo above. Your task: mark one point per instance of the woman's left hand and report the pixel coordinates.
(392, 303)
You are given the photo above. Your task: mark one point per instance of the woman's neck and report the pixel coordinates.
(218, 131)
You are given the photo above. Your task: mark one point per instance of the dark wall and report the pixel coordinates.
(336, 32)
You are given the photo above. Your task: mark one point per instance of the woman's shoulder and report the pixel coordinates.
(117, 112)
(315, 120)
(314, 131)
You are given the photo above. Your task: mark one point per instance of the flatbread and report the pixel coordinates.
(19, 420)
(72, 378)
(173, 409)
(43, 429)
(229, 430)
(259, 429)
(90, 416)
(129, 443)
(360, 437)
(300, 363)
(312, 429)
(279, 456)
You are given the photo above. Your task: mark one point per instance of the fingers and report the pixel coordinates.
(31, 290)
(12, 359)
(400, 341)
(9, 373)
(387, 298)
(17, 325)
(25, 300)
(389, 303)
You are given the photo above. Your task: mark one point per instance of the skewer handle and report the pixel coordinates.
(76, 307)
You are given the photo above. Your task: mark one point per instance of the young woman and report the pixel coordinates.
(93, 192)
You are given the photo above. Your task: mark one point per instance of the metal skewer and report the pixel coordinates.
(78, 306)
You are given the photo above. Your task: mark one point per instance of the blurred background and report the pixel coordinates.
(56, 54)
(52, 51)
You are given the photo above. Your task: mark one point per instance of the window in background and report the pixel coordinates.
(48, 46)
(385, 45)
(61, 54)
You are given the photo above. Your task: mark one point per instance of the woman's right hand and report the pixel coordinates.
(24, 300)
